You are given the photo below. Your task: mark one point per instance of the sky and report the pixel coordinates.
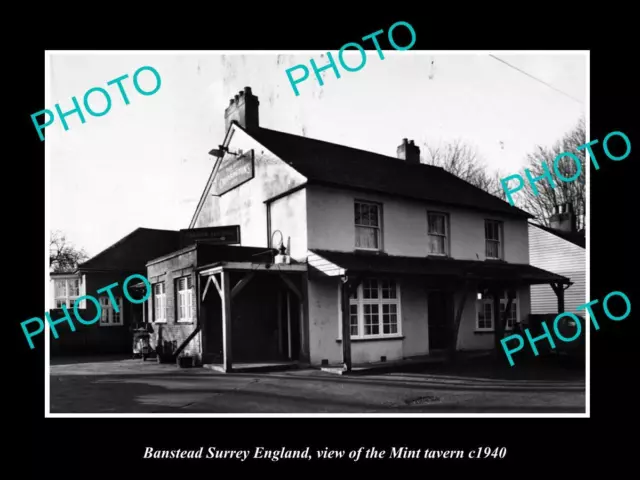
(145, 164)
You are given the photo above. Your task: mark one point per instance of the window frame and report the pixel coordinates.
(163, 297)
(500, 240)
(379, 228)
(360, 302)
(110, 312)
(69, 300)
(447, 235)
(179, 295)
(503, 301)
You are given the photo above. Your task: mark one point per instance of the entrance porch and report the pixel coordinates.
(253, 316)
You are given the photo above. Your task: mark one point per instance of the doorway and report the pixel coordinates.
(440, 305)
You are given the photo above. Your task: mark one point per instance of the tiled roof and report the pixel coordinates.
(338, 165)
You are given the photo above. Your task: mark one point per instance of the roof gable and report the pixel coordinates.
(329, 163)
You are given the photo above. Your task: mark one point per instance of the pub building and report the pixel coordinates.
(305, 252)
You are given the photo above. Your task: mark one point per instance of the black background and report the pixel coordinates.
(104, 448)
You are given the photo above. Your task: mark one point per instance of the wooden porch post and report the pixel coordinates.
(495, 296)
(453, 341)
(558, 289)
(226, 322)
(288, 297)
(280, 350)
(346, 326)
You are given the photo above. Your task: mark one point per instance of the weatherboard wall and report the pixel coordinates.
(557, 255)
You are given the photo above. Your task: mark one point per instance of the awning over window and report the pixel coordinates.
(340, 263)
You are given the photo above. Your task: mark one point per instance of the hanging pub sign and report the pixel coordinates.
(227, 235)
(233, 172)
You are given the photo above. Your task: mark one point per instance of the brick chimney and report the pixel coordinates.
(243, 108)
(563, 218)
(409, 152)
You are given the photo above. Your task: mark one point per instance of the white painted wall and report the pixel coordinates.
(245, 205)
(325, 329)
(289, 215)
(557, 255)
(330, 221)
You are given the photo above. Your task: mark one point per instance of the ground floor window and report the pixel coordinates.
(185, 299)
(484, 310)
(160, 303)
(109, 316)
(374, 309)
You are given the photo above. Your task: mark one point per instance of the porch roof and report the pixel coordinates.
(218, 267)
(339, 263)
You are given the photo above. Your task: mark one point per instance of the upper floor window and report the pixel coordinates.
(109, 317)
(185, 299)
(493, 239)
(160, 303)
(484, 319)
(367, 222)
(66, 292)
(374, 309)
(438, 233)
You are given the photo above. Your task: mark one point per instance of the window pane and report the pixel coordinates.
(116, 317)
(353, 317)
(364, 211)
(492, 230)
(370, 289)
(389, 319)
(373, 215)
(371, 325)
(60, 288)
(436, 224)
(74, 287)
(358, 217)
(493, 249)
(366, 237)
(436, 244)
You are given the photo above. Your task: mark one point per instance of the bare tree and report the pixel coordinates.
(573, 192)
(462, 160)
(63, 255)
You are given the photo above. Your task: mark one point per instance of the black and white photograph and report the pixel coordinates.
(275, 233)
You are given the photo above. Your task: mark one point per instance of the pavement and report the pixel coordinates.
(117, 385)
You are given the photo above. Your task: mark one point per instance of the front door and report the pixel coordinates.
(440, 319)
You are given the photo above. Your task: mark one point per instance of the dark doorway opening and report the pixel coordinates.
(440, 319)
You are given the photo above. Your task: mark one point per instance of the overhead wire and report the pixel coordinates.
(537, 79)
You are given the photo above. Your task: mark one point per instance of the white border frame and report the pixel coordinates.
(48, 101)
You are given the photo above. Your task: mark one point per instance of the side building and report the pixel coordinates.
(112, 332)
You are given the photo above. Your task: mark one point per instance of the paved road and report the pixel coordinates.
(132, 386)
